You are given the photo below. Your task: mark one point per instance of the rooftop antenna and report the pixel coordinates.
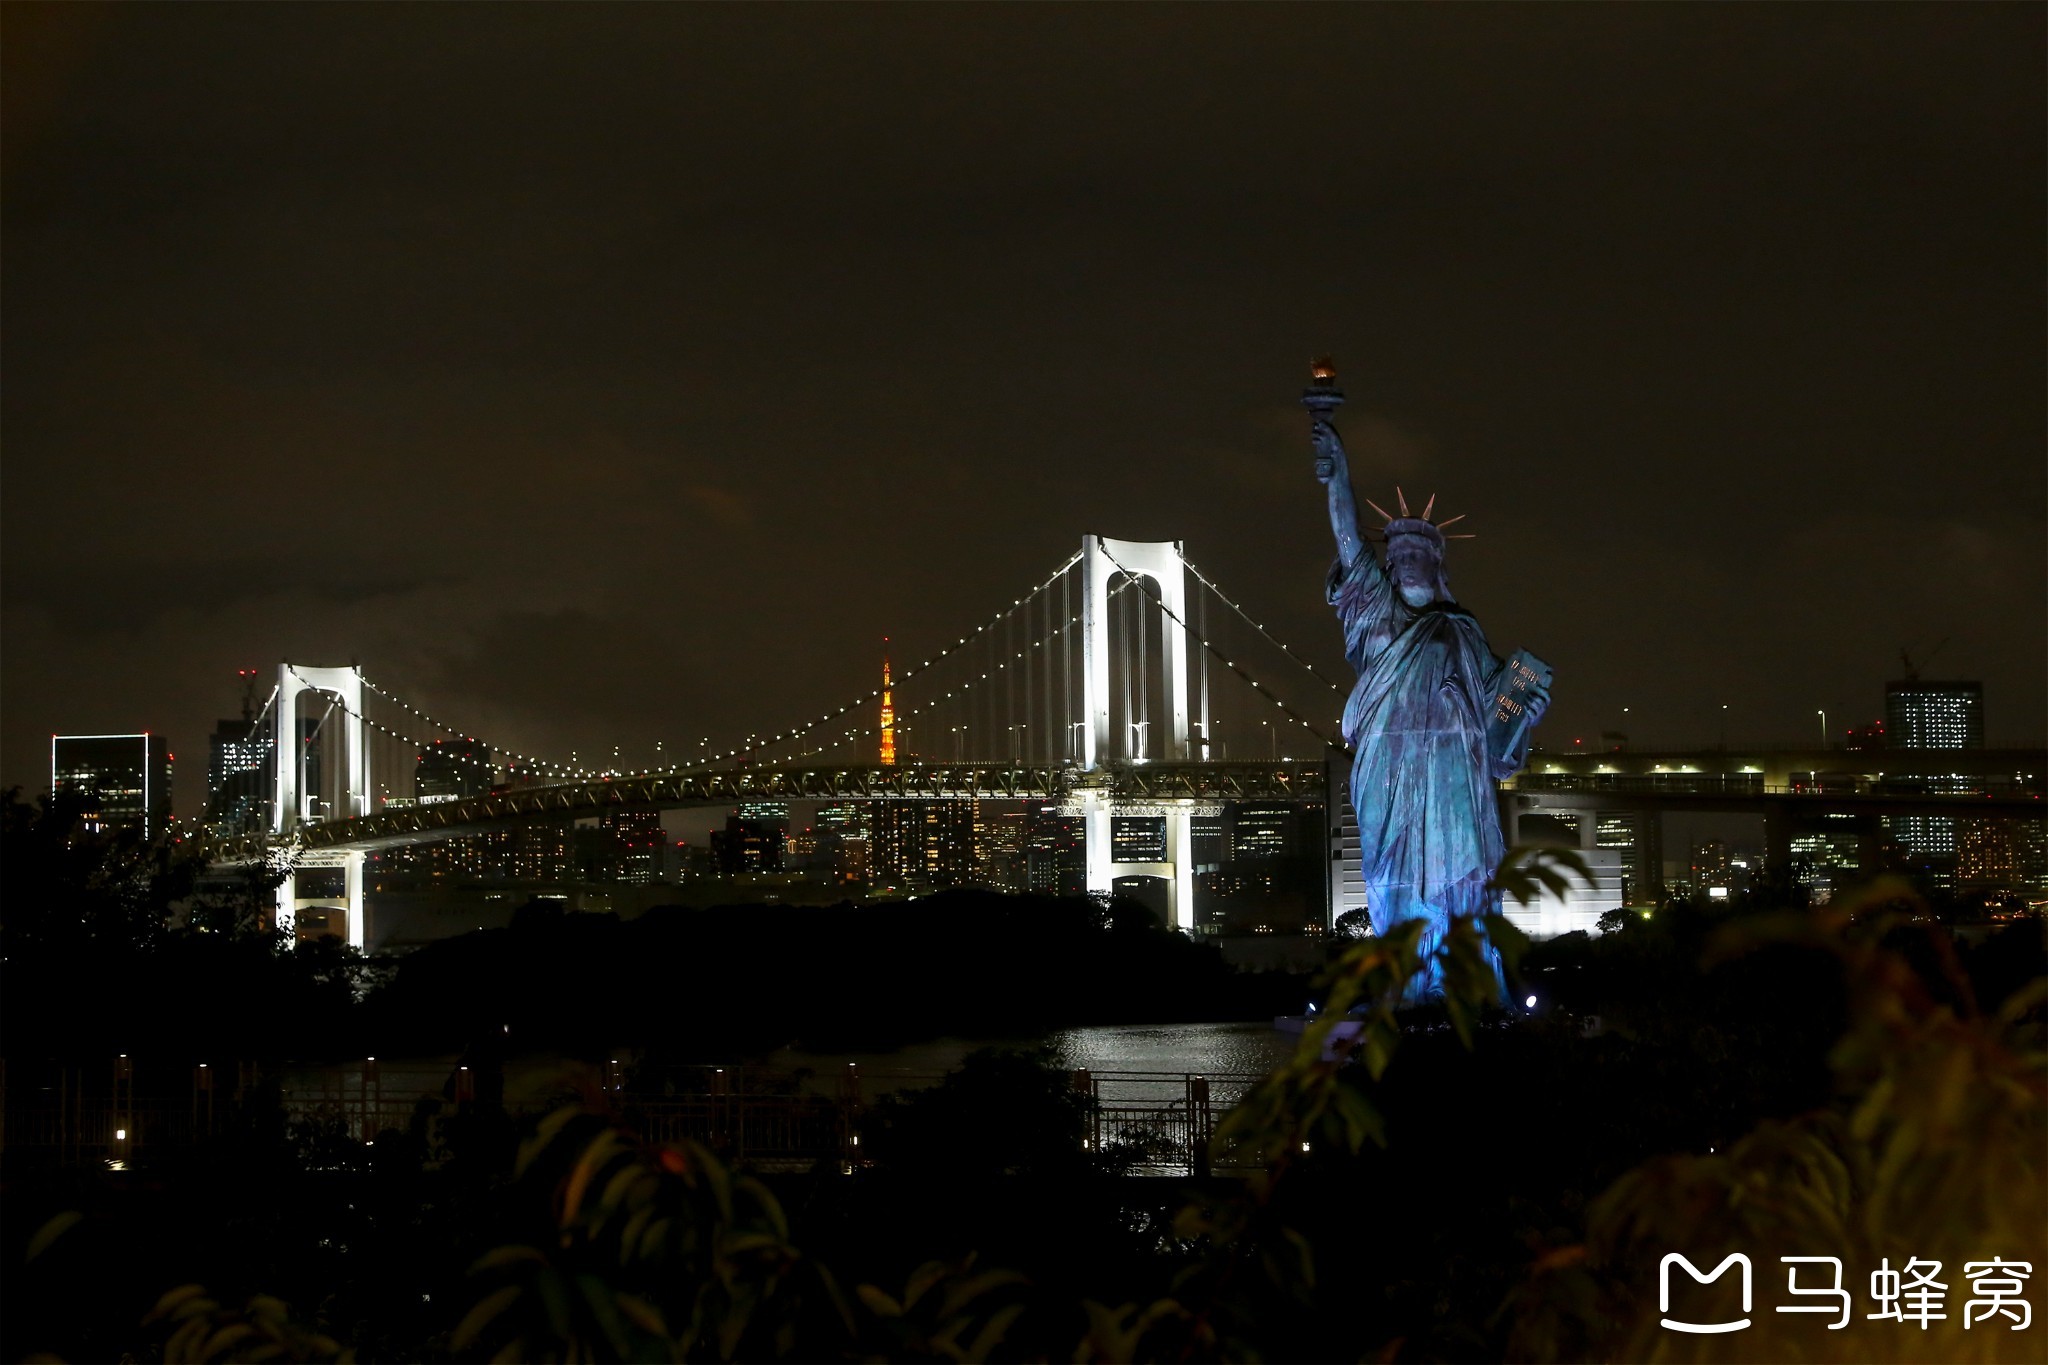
(248, 677)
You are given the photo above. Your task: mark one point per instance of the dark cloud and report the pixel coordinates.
(626, 371)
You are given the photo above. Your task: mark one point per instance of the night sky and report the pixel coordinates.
(610, 374)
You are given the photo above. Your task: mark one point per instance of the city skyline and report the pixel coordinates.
(603, 417)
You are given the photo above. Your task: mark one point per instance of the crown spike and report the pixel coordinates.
(1377, 508)
(1464, 535)
(1402, 498)
(1426, 507)
(1449, 521)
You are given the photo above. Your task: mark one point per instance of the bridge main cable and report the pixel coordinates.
(1055, 633)
(924, 665)
(1264, 634)
(1228, 663)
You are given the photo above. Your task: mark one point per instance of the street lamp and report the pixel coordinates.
(1074, 739)
(1724, 725)
(1141, 726)
(1823, 726)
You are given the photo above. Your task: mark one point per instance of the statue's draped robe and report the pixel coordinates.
(1421, 783)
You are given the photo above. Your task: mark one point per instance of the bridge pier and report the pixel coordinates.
(294, 803)
(309, 885)
(1178, 871)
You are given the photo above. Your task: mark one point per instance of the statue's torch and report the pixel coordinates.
(1322, 398)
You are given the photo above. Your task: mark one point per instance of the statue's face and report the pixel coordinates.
(1413, 565)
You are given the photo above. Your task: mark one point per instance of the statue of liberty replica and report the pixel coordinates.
(1434, 720)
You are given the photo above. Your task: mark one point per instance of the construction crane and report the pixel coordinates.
(1913, 669)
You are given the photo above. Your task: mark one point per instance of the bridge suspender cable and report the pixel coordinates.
(1016, 746)
(788, 736)
(1203, 579)
(1285, 709)
(996, 668)
(528, 759)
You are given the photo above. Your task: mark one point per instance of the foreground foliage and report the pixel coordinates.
(1922, 1135)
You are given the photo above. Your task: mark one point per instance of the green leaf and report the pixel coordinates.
(481, 1314)
(224, 1339)
(554, 1297)
(641, 1314)
(598, 1295)
(993, 1331)
(500, 1257)
(879, 1303)
(63, 1223)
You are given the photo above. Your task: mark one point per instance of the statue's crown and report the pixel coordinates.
(1421, 527)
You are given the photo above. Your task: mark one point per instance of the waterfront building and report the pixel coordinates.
(1056, 859)
(639, 846)
(121, 781)
(1919, 714)
(1934, 715)
(237, 773)
(753, 839)
(1004, 838)
(924, 845)
(451, 770)
(1261, 829)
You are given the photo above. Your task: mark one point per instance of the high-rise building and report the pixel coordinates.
(639, 845)
(951, 829)
(850, 860)
(238, 776)
(1637, 837)
(451, 770)
(1934, 715)
(1919, 714)
(1262, 829)
(764, 813)
(842, 834)
(849, 818)
(924, 845)
(752, 840)
(119, 781)
(1057, 859)
(543, 851)
(896, 851)
(1004, 837)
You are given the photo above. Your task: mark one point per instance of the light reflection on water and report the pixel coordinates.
(1202, 1049)
(1170, 1050)
(1206, 1049)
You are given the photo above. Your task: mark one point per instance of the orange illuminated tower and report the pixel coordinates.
(888, 711)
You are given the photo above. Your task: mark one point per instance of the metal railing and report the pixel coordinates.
(1146, 1123)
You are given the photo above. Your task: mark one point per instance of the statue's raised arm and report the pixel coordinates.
(1332, 467)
